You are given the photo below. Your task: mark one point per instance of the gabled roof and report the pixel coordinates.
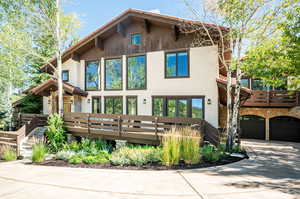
(51, 85)
(128, 13)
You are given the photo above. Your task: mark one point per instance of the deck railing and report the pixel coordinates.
(273, 99)
(135, 129)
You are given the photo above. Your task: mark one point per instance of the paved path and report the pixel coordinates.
(273, 171)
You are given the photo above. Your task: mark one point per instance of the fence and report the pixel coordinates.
(135, 129)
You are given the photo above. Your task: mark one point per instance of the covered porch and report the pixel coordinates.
(49, 90)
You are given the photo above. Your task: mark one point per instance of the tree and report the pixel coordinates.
(239, 22)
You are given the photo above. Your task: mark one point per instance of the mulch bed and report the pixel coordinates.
(153, 166)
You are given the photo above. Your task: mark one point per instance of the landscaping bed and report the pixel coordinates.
(150, 166)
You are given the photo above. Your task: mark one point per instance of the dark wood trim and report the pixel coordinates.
(176, 32)
(147, 25)
(178, 97)
(188, 63)
(99, 43)
(136, 106)
(106, 89)
(75, 56)
(96, 97)
(99, 77)
(121, 29)
(65, 71)
(145, 55)
(113, 97)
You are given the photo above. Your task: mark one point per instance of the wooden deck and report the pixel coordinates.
(134, 129)
(273, 99)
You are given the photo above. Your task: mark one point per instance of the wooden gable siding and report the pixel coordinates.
(159, 38)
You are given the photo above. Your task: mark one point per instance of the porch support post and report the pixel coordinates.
(267, 128)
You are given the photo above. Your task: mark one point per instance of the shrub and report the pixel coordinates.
(238, 149)
(39, 151)
(210, 153)
(101, 157)
(55, 133)
(64, 155)
(8, 153)
(181, 144)
(76, 159)
(136, 155)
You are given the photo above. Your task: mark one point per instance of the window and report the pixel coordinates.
(113, 74)
(113, 105)
(92, 71)
(178, 106)
(177, 65)
(136, 39)
(136, 72)
(245, 83)
(257, 84)
(65, 75)
(131, 104)
(96, 105)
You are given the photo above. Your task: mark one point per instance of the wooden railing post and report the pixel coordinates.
(120, 126)
(156, 126)
(268, 98)
(88, 125)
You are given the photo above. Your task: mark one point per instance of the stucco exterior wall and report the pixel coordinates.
(45, 105)
(202, 81)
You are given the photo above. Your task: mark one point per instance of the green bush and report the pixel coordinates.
(99, 158)
(8, 153)
(55, 133)
(210, 153)
(76, 159)
(88, 146)
(181, 144)
(39, 151)
(238, 149)
(64, 155)
(136, 155)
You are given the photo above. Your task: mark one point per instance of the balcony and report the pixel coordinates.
(273, 99)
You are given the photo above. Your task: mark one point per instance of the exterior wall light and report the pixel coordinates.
(144, 101)
(49, 101)
(209, 101)
(89, 101)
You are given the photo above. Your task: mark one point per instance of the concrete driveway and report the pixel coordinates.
(273, 171)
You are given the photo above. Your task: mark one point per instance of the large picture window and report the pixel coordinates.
(178, 106)
(177, 65)
(96, 105)
(113, 74)
(136, 72)
(92, 73)
(113, 105)
(131, 104)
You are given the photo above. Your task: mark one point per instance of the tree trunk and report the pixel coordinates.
(229, 109)
(59, 62)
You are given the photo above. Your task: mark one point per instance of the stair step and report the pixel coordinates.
(7, 139)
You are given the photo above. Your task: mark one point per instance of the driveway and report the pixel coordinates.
(273, 171)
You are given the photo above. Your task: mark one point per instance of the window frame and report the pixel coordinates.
(136, 106)
(107, 89)
(113, 97)
(249, 82)
(99, 77)
(136, 55)
(68, 72)
(188, 63)
(100, 107)
(189, 104)
(136, 33)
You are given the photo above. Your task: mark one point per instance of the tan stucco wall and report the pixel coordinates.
(202, 81)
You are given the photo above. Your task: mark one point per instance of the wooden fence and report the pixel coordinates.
(29, 123)
(135, 129)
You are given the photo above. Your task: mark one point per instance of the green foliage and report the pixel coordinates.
(8, 153)
(210, 153)
(30, 104)
(181, 144)
(136, 155)
(64, 155)
(238, 149)
(39, 151)
(88, 146)
(99, 158)
(55, 133)
(76, 159)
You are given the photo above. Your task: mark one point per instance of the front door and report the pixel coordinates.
(67, 104)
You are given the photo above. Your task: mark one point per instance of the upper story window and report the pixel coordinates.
(113, 74)
(92, 73)
(179, 106)
(65, 75)
(96, 105)
(245, 82)
(136, 73)
(177, 65)
(136, 39)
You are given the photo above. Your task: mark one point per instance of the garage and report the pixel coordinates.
(252, 127)
(285, 128)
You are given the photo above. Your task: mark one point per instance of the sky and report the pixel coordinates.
(94, 13)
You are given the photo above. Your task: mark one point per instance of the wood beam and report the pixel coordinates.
(176, 32)
(121, 29)
(147, 25)
(99, 43)
(75, 56)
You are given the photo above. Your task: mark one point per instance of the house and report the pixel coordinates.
(141, 63)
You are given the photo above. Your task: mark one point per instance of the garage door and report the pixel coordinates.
(253, 127)
(285, 129)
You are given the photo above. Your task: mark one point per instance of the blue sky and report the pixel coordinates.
(94, 13)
